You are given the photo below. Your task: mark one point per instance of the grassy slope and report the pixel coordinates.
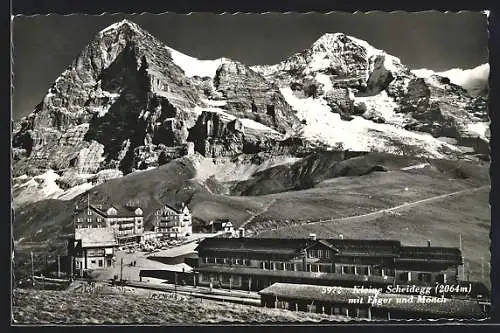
(349, 196)
(48, 222)
(44, 306)
(440, 222)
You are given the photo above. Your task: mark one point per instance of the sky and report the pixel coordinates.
(43, 46)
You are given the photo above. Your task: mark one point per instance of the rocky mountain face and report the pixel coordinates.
(124, 100)
(129, 102)
(353, 79)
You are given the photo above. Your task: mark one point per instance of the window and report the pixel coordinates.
(279, 266)
(267, 265)
(348, 269)
(211, 260)
(226, 278)
(100, 262)
(78, 219)
(325, 268)
(238, 261)
(92, 261)
(424, 277)
(219, 260)
(362, 270)
(389, 271)
(376, 271)
(89, 220)
(99, 219)
(89, 212)
(312, 254)
(290, 266)
(247, 262)
(403, 276)
(314, 268)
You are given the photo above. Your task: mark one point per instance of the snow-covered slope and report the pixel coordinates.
(323, 126)
(472, 80)
(195, 67)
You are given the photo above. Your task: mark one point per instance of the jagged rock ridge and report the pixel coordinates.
(129, 102)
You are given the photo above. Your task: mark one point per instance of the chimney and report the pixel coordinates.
(312, 237)
(428, 243)
(341, 236)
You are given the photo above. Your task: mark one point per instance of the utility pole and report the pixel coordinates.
(175, 283)
(58, 266)
(71, 268)
(32, 270)
(121, 270)
(482, 269)
(462, 254)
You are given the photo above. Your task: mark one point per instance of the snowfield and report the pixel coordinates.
(193, 66)
(383, 105)
(247, 123)
(458, 76)
(359, 134)
(479, 128)
(43, 187)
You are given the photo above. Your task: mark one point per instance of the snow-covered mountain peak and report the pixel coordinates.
(118, 25)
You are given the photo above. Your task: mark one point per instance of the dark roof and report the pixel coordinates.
(176, 207)
(419, 253)
(121, 210)
(345, 247)
(294, 246)
(449, 307)
(254, 245)
(297, 274)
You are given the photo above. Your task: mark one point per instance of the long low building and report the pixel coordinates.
(254, 264)
(369, 303)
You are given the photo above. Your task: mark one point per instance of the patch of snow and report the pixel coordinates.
(117, 25)
(198, 110)
(75, 191)
(479, 128)
(391, 63)
(231, 170)
(252, 124)
(213, 102)
(193, 66)
(110, 94)
(358, 134)
(383, 105)
(416, 166)
(40, 187)
(458, 76)
(325, 81)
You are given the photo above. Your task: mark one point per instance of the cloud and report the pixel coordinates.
(474, 80)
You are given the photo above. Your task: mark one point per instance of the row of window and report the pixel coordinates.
(100, 219)
(316, 268)
(318, 254)
(221, 261)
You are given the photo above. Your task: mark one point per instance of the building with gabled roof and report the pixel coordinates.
(370, 303)
(92, 248)
(126, 220)
(173, 222)
(256, 263)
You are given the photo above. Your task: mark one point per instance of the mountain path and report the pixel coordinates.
(380, 213)
(250, 219)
